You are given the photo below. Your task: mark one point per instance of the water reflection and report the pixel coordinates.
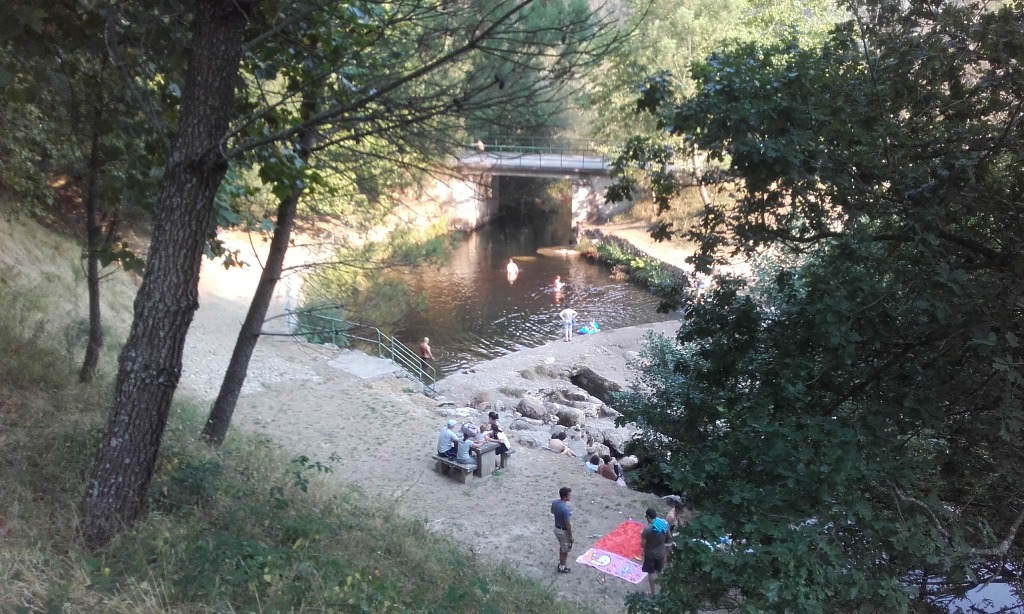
(477, 310)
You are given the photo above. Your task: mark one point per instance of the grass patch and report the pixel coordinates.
(516, 393)
(546, 371)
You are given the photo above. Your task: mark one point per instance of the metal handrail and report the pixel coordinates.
(387, 347)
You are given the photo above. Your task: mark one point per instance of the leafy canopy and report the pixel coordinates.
(850, 412)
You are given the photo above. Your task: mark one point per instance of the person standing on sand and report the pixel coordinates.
(563, 526)
(568, 317)
(652, 542)
(425, 353)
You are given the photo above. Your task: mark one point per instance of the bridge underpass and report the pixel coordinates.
(479, 176)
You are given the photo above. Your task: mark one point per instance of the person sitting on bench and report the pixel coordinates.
(468, 442)
(448, 441)
(498, 436)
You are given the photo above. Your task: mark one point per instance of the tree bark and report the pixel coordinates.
(150, 363)
(93, 238)
(219, 420)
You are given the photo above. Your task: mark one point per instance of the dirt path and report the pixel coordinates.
(293, 396)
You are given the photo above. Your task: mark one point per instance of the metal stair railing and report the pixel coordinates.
(387, 347)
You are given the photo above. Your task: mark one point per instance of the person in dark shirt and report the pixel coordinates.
(563, 526)
(652, 542)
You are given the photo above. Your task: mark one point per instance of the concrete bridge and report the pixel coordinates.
(550, 163)
(475, 188)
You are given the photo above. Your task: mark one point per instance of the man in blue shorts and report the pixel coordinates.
(563, 527)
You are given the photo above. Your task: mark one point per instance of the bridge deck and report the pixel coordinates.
(539, 163)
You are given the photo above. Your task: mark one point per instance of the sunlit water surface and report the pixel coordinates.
(475, 312)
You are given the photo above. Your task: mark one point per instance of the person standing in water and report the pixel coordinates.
(425, 353)
(568, 317)
(559, 284)
(513, 270)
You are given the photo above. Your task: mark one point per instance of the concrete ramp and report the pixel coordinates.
(363, 366)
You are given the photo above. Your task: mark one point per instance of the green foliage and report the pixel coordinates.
(850, 412)
(322, 322)
(641, 269)
(669, 35)
(358, 284)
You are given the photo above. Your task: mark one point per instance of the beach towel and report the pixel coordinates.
(624, 540)
(613, 565)
(618, 553)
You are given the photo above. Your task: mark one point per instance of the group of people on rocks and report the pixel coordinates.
(606, 466)
(458, 445)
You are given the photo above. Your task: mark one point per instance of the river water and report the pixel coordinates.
(475, 312)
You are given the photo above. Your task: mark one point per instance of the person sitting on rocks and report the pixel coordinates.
(593, 463)
(557, 444)
(606, 470)
(614, 462)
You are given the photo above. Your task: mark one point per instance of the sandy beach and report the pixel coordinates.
(381, 432)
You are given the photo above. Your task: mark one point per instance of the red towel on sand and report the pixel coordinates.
(624, 540)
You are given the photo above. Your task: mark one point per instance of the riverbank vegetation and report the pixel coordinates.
(851, 414)
(240, 528)
(667, 282)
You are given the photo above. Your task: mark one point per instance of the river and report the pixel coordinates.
(476, 312)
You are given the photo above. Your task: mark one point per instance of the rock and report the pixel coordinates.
(532, 408)
(615, 442)
(446, 404)
(631, 356)
(594, 435)
(629, 462)
(595, 384)
(570, 416)
(487, 402)
(598, 448)
(466, 413)
(519, 424)
(592, 410)
(607, 412)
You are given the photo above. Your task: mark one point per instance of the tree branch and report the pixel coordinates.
(1004, 546)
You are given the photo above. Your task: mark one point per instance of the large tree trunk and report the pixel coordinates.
(93, 238)
(219, 420)
(150, 363)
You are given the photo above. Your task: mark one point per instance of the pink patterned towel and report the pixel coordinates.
(613, 564)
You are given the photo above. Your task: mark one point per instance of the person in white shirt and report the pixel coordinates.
(568, 317)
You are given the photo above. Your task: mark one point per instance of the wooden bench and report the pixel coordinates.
(445, 465)
(505, 458)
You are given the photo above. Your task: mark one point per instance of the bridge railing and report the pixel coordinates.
(523, 152)
(342, 333)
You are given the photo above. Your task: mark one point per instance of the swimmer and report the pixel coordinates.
(559, 284)
(512, 268)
